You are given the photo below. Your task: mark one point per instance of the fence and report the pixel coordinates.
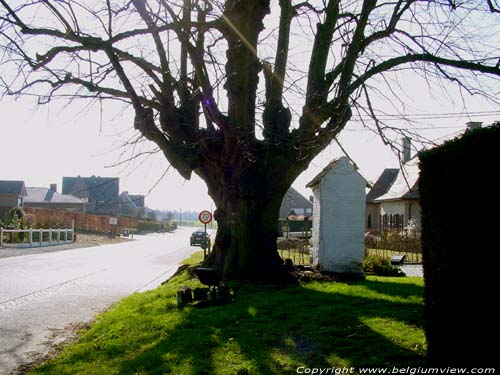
(295, 249)
(37, 236)
(395, 242)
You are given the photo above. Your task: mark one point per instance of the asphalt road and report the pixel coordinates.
(42, 294)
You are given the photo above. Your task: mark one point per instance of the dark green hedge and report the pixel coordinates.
(295, 226)
(152, 226)
(459, 199)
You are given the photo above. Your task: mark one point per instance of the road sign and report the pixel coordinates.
(205, 217)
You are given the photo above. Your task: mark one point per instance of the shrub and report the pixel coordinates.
(17, 213)
(378, 265)
(150, 226)
(458, 188)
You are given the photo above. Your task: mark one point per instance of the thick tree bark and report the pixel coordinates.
(245, 244)
(248, 193)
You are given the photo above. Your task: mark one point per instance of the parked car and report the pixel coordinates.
(198, 237)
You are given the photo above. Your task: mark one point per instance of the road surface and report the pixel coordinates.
(41, 294)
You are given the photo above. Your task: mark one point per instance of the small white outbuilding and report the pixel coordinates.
(339, 219)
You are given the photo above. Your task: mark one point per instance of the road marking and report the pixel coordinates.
(30, 297)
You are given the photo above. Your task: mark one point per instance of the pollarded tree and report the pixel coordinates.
(190, 69)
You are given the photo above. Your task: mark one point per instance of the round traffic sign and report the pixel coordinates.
(205, 217)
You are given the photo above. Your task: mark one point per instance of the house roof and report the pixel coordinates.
(12, 188)
(102, 189)
(293, 200)
(383, 184)
(42, 194)
(402, 183)
(127, 201)
(331, 165)
(405, 186)
(137, 199)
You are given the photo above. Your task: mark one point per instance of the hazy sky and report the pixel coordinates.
(41, 144)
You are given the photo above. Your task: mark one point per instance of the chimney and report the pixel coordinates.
(471, 125)
(53, 187)
(406, 141)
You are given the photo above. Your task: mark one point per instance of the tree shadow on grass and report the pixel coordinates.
(275, 332)
(268, 331)
(394, 289)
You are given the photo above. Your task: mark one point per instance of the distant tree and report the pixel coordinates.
(213, 91)
(152, 215)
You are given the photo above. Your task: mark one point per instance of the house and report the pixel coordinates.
(295, 203)
(394, 200)
(139, 200)
(338, 219)
(42, 197)
(102, 193)
(131, 205)
(380, 188)
(12, 195)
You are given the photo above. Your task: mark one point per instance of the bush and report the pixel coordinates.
(16, 213)
(378, 265)
(151, 226)
(15, 221)
(458, 189)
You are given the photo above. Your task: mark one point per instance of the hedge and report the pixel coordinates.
(458, 188)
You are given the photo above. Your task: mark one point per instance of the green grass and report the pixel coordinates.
(376, 322)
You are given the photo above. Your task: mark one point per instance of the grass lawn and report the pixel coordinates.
(376, 322)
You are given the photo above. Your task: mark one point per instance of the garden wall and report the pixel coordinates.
(458, 186)
(51, 218)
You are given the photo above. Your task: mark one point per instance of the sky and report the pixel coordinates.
(41, 144)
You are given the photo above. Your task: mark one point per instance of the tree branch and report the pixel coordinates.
(423, 57)
(277, 118)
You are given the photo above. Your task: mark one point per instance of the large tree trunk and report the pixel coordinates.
(245, 244)
(248, 198)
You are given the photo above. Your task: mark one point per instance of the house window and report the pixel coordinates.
(369, 221)
(19, 201)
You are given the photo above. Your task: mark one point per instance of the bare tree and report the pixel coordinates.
(190, 69)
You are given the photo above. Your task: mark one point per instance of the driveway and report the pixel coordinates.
(42, 294)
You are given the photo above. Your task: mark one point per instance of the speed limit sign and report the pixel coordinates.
(205, 217)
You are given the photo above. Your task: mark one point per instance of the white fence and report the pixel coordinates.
(56, 236)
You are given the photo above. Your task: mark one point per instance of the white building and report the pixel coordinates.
(400, 205)
(339, 219)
